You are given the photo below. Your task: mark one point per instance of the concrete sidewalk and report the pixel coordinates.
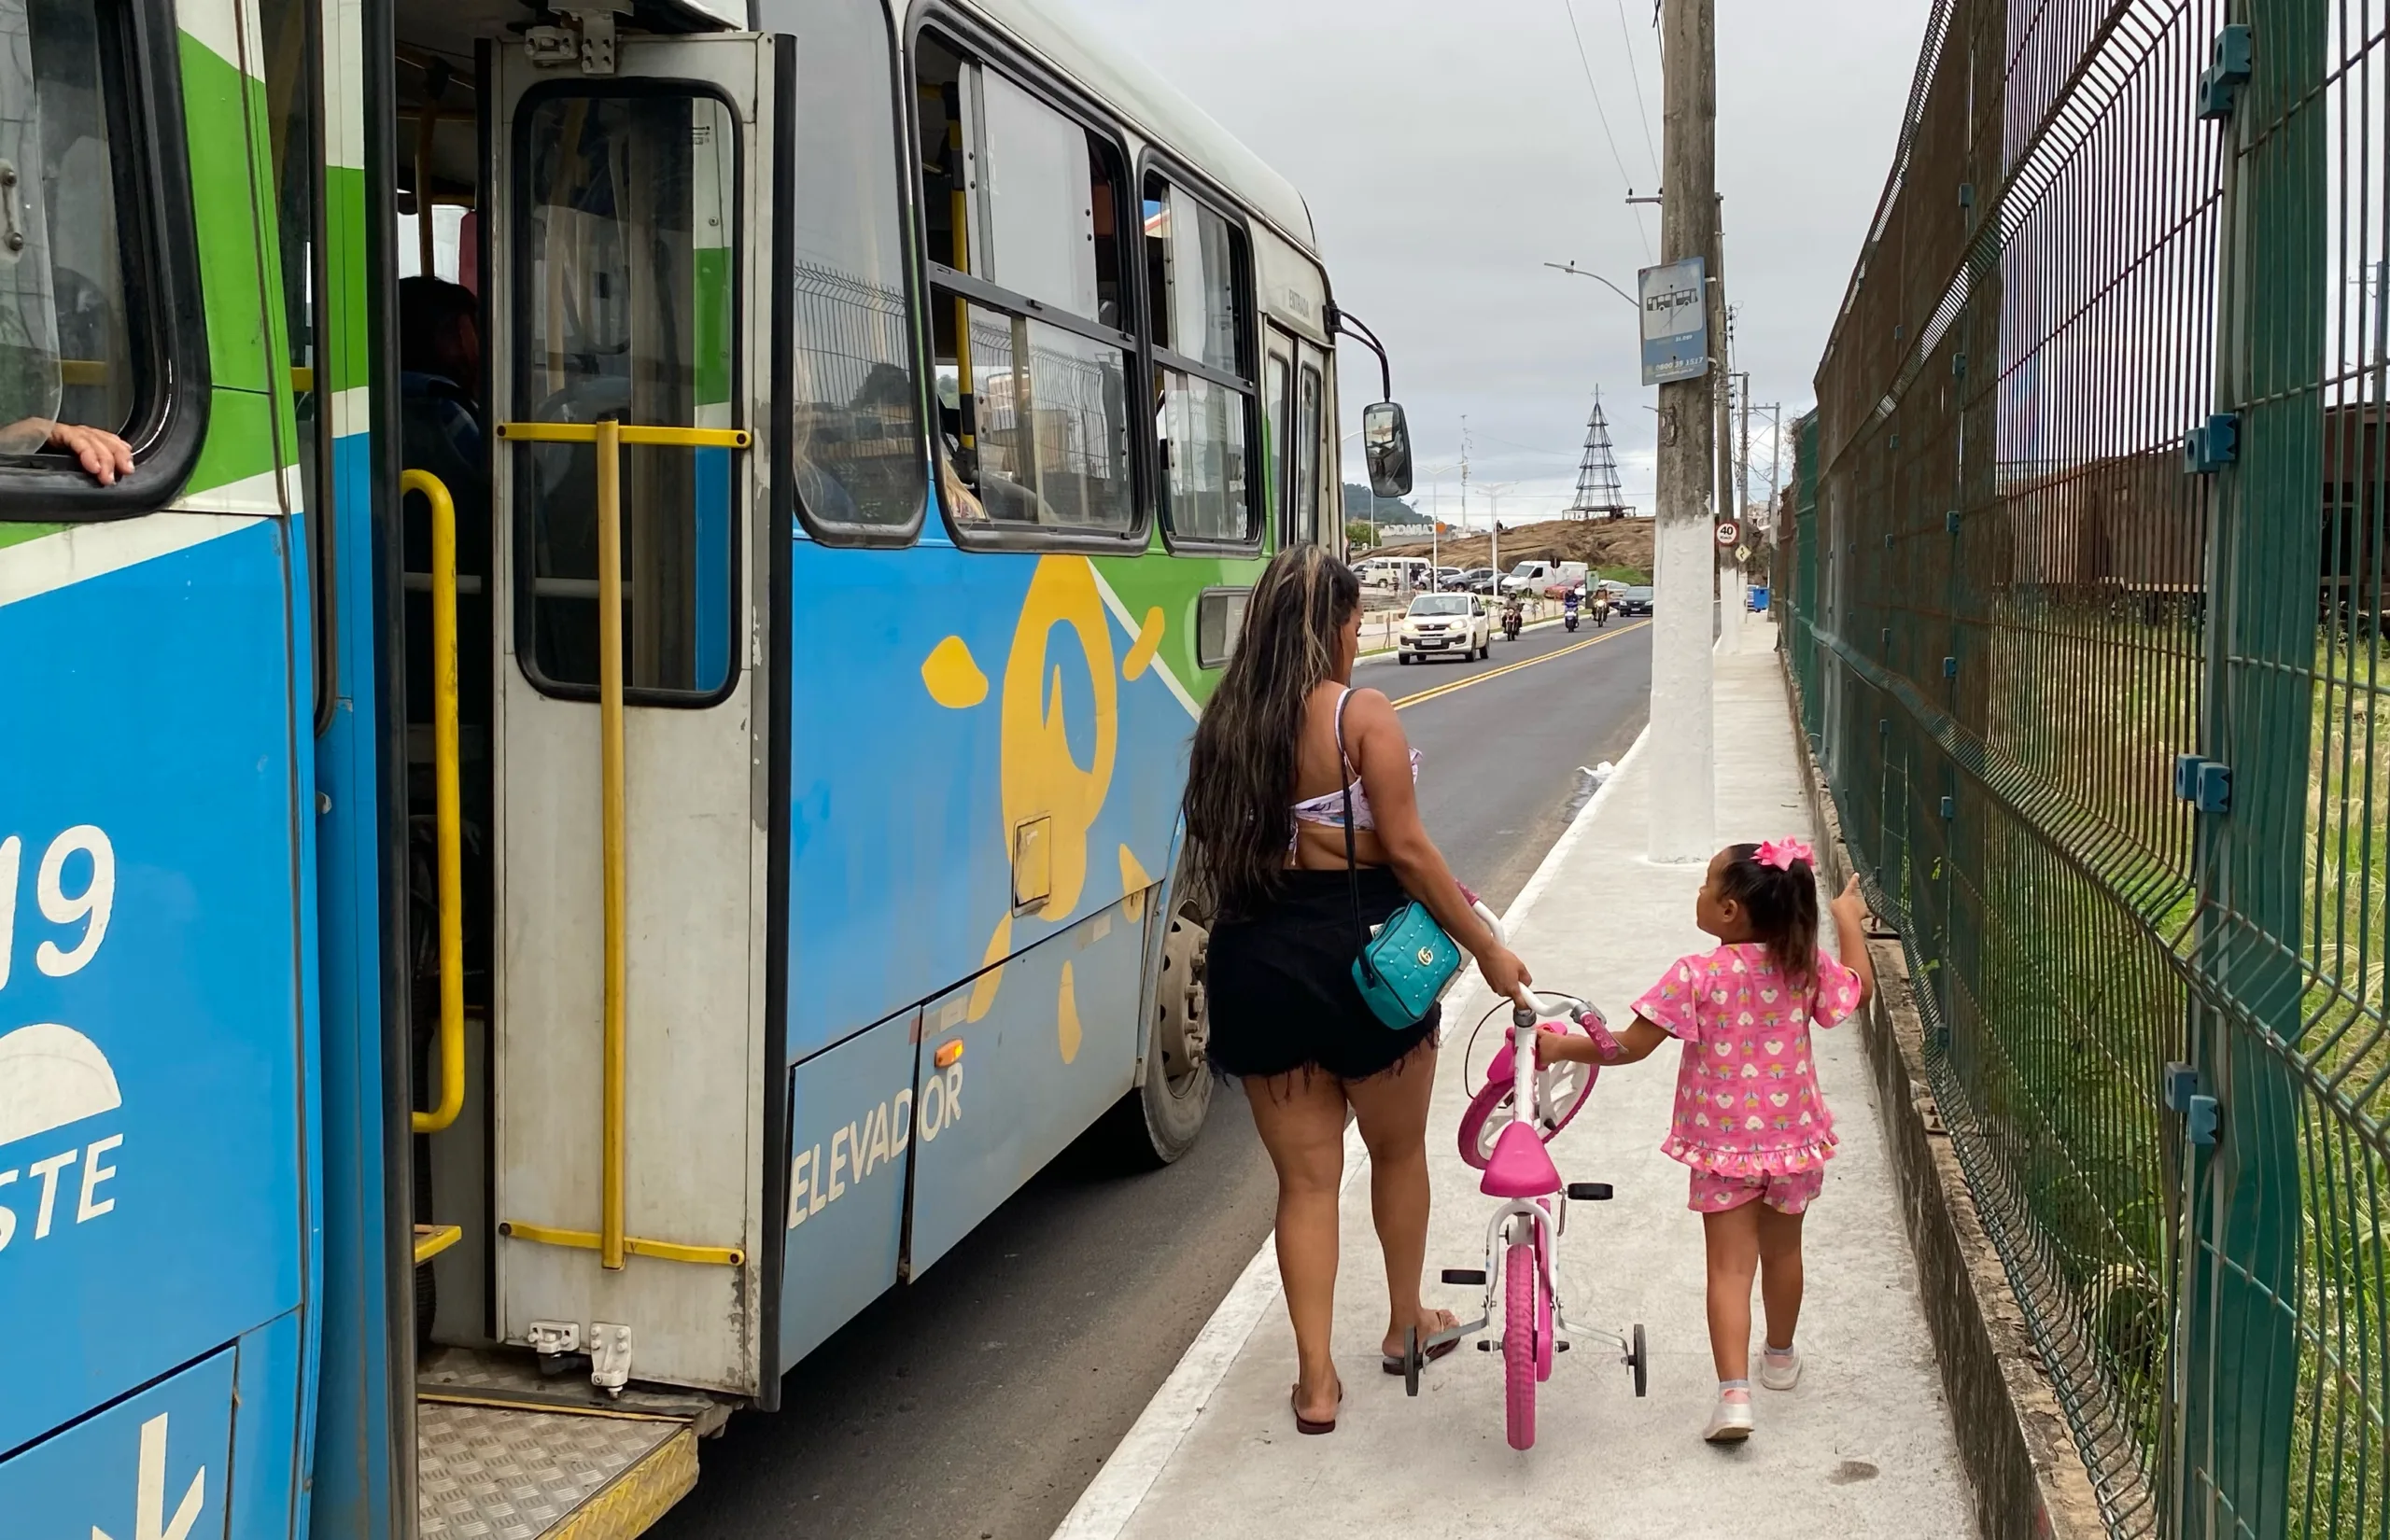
(1863, 1447)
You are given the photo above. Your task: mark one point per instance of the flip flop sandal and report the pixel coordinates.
(1304, 1424)
(1392, 1363)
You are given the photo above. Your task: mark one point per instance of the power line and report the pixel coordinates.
(1642, 113)
(1625, 180)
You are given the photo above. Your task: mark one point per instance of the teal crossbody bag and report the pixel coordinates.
(1404, 963)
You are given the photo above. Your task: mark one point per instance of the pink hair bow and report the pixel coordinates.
(1783, 853)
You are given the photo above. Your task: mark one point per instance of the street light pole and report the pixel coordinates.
(1683, 731)
(1571, 267)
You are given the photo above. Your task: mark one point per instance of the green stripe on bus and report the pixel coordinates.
(224, 200)
(18, 534)
(267, 236)
(1173, 585)
(240, 439)
(345, 343)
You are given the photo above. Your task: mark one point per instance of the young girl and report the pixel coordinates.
(1749, 1118)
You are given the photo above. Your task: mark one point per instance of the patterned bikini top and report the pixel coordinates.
(1328, 809)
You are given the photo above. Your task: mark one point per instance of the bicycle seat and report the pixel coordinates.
(1520, 1166)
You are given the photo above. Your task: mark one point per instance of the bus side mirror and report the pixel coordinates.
(1386, 442)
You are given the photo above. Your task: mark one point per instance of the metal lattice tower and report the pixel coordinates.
(1597, 486)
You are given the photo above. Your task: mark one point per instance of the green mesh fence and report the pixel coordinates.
(2083, 599)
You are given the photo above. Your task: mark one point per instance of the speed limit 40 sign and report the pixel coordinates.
(1729, 532)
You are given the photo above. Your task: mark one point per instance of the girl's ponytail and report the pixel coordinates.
(1778, 889)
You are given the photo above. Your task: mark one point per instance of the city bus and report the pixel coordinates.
(606, 786)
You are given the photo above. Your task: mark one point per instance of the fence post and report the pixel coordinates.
(2239, 1381)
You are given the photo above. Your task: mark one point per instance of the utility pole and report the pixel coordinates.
(1728, 570)
(1684, 792)
(1774, 455)
(1464, 472)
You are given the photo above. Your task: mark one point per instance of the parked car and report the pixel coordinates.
(1527, 577)
(1476, 579)
(1448, 577)
(1458, 625)
(1636, 601)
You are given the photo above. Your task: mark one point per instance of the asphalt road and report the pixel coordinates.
(978, 1401)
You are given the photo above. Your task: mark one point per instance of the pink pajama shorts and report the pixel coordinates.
(1785, 1192)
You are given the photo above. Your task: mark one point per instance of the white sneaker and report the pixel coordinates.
(1779, 1372)
(1730, 1421)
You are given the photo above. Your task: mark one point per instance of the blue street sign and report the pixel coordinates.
(1676, 321)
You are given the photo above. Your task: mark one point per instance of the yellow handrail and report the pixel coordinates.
(629, 433)
(663, 1250)
(609, 437)
(446, 801)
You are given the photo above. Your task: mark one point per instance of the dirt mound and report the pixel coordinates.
(1599, 543)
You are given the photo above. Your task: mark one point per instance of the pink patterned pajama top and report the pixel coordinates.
(1748, 1103)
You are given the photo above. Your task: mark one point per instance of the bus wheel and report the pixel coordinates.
(1163, 1116)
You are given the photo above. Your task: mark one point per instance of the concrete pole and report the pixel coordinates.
(1683, 772)
(1734, 494)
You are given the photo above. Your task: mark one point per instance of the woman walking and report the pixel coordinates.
(1285, 748)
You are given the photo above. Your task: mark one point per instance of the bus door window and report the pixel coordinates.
(1309, 422)
(1276, 400)
(67, 335)
(855, 417)
(624, 310)
(1197, 281)
(1033, 365)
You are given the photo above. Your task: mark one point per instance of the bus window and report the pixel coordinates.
(854, 414)
(1308, 426)
(625, 310)
(66, 335)
(1196, 266)
(1021, 208)
(1274, 440)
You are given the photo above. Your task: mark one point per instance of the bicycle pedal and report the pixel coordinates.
(1559, 1347)
(1464, 1275)
(1589, 1192)
(1483, 1345)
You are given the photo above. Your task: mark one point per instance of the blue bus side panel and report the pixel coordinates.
(134, 1470)
(928, 687)
(852, 1116)
(269, 1433)
(1057, 1045)
(352, 1494)
(150, 1147)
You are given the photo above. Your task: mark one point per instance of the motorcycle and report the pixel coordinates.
(1601, 613)
(1510, 623)
(1569, 611)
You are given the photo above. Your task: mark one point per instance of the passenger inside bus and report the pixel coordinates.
(102, 456)
(440, 433)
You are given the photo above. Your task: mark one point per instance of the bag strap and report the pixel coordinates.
(1351, 860)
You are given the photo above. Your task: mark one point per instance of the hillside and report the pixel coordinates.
(1599, 543)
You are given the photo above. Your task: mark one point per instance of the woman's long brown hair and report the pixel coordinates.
(1241, 773)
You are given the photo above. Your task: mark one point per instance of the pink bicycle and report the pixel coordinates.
(1510, 1120)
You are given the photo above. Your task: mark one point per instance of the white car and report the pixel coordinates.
(1457, 625)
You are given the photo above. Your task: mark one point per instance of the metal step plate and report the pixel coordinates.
(511, 1377)
(491, 1473)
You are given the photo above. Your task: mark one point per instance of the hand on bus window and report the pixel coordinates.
(103, 454)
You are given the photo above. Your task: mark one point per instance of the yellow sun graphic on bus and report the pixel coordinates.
(1049, 800)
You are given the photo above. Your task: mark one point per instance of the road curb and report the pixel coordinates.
(1119, 1489)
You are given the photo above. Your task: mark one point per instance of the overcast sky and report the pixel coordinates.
(1448, 148)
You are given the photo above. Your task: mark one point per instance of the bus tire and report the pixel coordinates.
(1160, 1120)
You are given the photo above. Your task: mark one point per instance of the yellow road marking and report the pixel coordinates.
(1407, 701)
